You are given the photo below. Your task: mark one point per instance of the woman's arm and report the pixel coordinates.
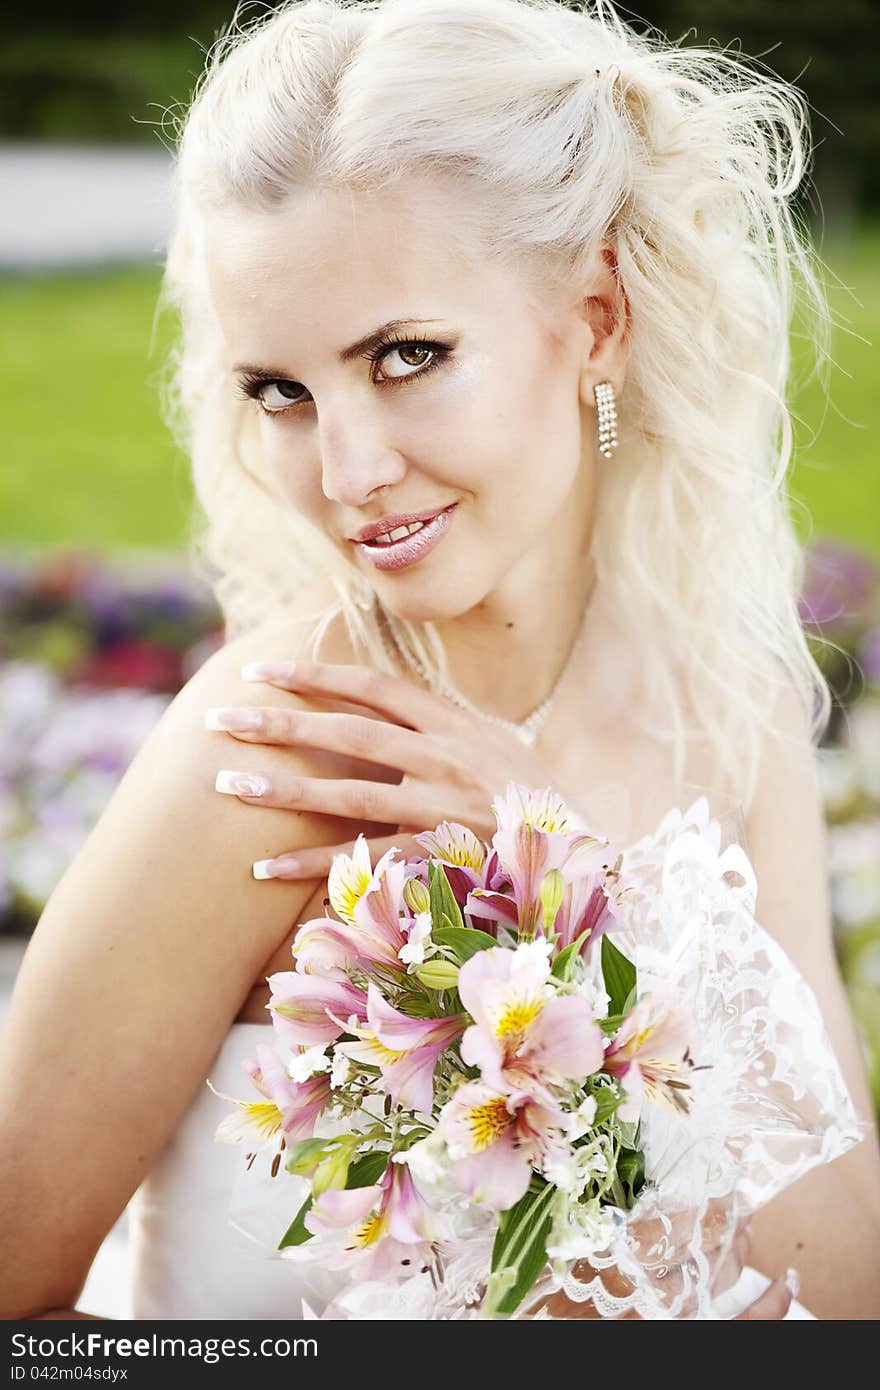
(828, 1224)
(136, 969)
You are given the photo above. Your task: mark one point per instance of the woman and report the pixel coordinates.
(538, 224)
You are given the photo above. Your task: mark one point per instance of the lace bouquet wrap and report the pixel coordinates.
(538, 1067)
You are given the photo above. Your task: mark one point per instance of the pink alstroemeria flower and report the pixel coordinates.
(465, 861)
(525, 1036)
(306, 1008)
(585, 907)
(327, 948)
(369, 903)
(534, 835)
(404, 1049)
(495, 1139)
(649, 1053)
(289, 1111)
(377, 1228)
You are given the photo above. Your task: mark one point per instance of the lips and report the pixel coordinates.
(391, 523)
(400, 554)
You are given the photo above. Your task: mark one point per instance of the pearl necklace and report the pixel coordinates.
(527, 731)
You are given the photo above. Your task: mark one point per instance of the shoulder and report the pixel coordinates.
(281, 637)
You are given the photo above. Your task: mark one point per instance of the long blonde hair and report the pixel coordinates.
(564, 128)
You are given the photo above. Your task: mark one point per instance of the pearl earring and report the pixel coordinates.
(607, 418)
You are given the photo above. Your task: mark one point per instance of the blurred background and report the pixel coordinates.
(101, 616)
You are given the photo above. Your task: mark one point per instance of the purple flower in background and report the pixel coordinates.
(840, 586)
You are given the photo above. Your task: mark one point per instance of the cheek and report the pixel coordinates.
(297, 477)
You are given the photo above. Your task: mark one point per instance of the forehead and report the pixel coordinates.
(334, 251)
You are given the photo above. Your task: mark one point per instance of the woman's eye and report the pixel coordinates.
(412, 355)
(288, 393)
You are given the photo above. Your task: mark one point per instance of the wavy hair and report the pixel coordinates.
(563, 128)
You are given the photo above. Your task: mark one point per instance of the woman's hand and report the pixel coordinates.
(453, 763)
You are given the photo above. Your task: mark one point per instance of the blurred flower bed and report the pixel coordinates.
(91, 655)
(840, 605)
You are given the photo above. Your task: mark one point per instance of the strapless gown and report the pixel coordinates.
(204, 1230)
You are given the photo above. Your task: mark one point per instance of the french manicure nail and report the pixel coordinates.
(275, 868)
(233, 720)
(267, 670)
(792, 1282)
(241, 783)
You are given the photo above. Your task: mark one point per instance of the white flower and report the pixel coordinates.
(580, 1120)
(532, 960)
(413, 953)
(308, 1063)
(341, 1071)
(580, 1230)
(594, 993)
(428, 1160)
(560, 1168)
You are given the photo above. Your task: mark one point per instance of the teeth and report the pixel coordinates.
(398, 535)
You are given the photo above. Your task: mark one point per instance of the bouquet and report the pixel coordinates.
(500, 1066)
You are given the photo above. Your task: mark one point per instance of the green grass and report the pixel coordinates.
(89, 462)
(88, 459)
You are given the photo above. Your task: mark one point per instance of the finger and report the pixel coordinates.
(373, 740)
(317, 862)
(399, 699)
(772, 1306)
(386, 803)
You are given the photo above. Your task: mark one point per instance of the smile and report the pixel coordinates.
(407, 544)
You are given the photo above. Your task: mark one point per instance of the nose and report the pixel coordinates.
(357, 458)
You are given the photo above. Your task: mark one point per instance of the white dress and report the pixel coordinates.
(204, 1230)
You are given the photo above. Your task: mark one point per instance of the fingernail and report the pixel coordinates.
(268, 670)
(276, 868)
(234, 720)
(792, 1282)
(241, 783)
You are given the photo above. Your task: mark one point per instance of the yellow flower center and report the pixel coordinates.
(488, 1122)
(264, 1115)
(517, 1017)
(380, 1055)
(369, 1232)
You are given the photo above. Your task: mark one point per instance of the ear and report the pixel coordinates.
(606, 315)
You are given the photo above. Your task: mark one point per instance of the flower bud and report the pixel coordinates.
(437, 974)
(552, 892)
(416, 895)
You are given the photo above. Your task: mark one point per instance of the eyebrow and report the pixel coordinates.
(358, 349)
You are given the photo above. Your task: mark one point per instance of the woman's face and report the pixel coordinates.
(476, 405)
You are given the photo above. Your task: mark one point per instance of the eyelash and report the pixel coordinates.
(251, 384)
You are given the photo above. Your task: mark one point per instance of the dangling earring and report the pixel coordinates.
(607, 418)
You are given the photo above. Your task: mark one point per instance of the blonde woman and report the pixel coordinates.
(512, 285)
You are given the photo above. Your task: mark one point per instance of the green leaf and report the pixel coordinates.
(303, 1157)
(631, 1172)
(367, 1170)
(519, 1253)
(607, 1100)
(611, 1023)
(619, 975)
(464, 941)
(564, 962)
(443, 904)
(296, 1233)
